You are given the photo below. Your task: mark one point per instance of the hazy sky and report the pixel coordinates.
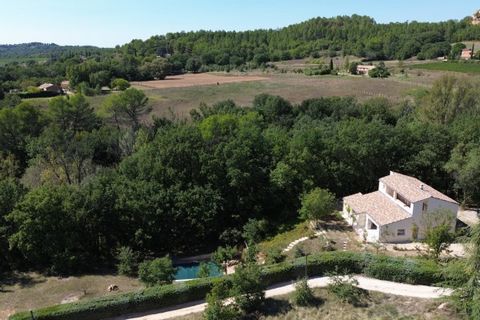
(111, 22)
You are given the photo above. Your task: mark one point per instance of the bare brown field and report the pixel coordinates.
(192, 80)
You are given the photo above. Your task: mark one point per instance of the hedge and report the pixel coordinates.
(40, 94)
(409, 270)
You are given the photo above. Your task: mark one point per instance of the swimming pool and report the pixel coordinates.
(190, 271)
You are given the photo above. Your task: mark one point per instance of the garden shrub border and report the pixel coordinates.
(408, 270)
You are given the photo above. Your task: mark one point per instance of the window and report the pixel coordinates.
(400, 232)
(424, 207)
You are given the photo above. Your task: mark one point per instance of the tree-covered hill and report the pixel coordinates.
(46, 50)
(357, 35)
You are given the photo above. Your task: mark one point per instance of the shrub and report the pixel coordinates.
(203, 270)
(298, 252)
(380, 71)
(120, 84)
(345, 289)
(274, 255)
(157, 272)
(409, 270)
(127, 262)
(439, 239)
(303, 295)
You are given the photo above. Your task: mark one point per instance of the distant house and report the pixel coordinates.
(476, 18)
(364, 69)
(49, 87)
(105, 90)
(65, 85)
(466, 54)
(398, 211)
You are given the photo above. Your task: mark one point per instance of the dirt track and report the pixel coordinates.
(400, 289)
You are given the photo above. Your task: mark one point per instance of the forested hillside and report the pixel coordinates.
(355, 35)
(75, 187)
(44, 50)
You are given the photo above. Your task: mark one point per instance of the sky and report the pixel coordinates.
(107, 23)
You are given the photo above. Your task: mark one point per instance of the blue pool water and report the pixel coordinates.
(190, 271)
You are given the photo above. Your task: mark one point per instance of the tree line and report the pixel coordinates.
(76, 185)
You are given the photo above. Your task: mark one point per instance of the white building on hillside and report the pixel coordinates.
(399, 211)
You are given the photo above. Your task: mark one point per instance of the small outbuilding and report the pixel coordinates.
(466, 54)
(49, 87)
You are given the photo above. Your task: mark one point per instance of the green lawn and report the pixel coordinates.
(450, 66)
(283, 239)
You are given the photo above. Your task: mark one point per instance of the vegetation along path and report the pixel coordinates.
(388, 287)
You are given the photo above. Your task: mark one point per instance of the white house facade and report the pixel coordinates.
(400, 210)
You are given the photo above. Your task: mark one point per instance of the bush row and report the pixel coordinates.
(40, 94)
(413, 271)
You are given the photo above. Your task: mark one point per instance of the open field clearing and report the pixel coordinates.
(193, 80)
(376, 306)
(187, 92)
(472, 68)
(23, 292)
(293, 87)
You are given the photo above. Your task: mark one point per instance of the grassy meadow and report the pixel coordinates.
(462, 67)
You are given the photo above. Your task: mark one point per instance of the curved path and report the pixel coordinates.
(399, 289)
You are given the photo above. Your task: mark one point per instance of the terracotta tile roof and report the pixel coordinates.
(412, 189)
(378, 206)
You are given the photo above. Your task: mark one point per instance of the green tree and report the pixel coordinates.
(448, 98)
(247, 287)
(127, 107)
(317, 204)
(254, 231)
(464, 165)
(73, 114)
(156, 272)
(222, 256)
(193, 65)
(303, 294)
(157, 69)
(217, 308)
(127, 262)
(380, 71)
(50, 214)
(438, 239)
(352, 68)
(203, 270)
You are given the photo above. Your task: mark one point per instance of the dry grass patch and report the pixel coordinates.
(378, 306)
(27, 291)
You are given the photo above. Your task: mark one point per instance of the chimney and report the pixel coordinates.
(421, 186)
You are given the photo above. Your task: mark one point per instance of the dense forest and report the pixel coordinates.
(44, 50)
(75, 187)
(90, 68)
